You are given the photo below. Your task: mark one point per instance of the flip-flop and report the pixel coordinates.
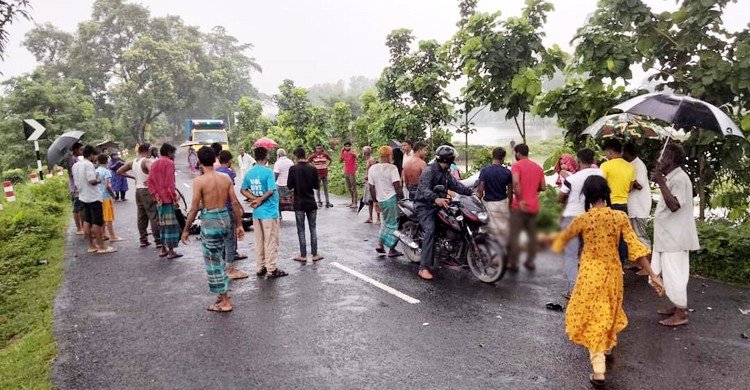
(300, 259)
(676, 324)
(107, 250)
(118, 239)
(396, 254)
(368, 221)
(236, 275)
(145, 244)
(216, 308)
(317, 258)
(598, 383)
(163, 254)
(92, 250)
(175, 256)
(380, 250)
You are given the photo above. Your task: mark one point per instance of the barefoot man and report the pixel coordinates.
(674, 232)
(210, 191)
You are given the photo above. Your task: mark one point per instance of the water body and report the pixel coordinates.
(500, 134)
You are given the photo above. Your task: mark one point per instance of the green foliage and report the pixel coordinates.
(10, 11)
(139, 68)
(14, 176)
(33, 229)
(505, 61)
(550, 211)
(724, 254)
(341, 119)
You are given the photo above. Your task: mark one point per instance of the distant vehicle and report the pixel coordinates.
(207, 131)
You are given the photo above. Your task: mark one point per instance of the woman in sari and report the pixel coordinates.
(192, 160)
(118, 182)
(594, 315)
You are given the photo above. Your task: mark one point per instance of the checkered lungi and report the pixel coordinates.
(389, 222)
(215, 226)
(169, 228)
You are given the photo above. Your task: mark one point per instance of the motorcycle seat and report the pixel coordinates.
(408, 205)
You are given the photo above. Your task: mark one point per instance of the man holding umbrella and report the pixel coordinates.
(675, 233)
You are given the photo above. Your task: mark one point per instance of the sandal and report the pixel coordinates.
(237, 274)
(380, 250)
(395, 254)
(163, 254)
(116, 239)
(317, 258)
(598, 383)
(215, 307)
(300, 259)
(109, 249)
(262, 271)
(145, 244)
(175, 256)
(277, 273)
(92, 250)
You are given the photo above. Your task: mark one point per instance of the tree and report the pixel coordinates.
(63, 103)
(687, 51)
(341, 119)
(10, 11)
(506, 62)
(414, 85)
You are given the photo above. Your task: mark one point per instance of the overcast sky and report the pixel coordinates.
(317, 41)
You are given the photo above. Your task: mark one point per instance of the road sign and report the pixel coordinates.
(33, 129)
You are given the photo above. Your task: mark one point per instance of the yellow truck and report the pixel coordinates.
(207, 131)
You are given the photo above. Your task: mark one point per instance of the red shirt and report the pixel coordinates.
(161, 182)
(350, 162)
(531, 177)
(320, 161)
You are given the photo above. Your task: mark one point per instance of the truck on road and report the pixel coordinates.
(206, 132)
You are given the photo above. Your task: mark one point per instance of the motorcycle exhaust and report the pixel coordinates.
(406, 240)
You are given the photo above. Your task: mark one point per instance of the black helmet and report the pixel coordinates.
(445, 154)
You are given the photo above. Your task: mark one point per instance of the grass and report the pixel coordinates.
(28, 344)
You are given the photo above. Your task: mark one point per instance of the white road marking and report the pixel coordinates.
(186, 185)
(375, 283)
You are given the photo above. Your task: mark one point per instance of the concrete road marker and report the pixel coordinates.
(375, 283)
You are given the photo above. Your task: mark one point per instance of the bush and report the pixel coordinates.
(26, 226)
(15, 176)
(550, 211)
(724, 254)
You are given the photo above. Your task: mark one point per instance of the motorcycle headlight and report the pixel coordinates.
(460, 218)
(483, 217)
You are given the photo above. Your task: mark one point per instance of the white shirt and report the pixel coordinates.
(282, 168)
(83, 172)
(140, 176)
(675, 231)
(573, 186)
(639, 201)
(382, 176)
(246, 162)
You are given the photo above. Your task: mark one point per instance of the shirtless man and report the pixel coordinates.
(211, 191)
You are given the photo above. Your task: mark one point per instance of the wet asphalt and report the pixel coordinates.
(133, 320)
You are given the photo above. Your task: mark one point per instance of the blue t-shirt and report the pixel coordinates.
(496, 179)
(229, 172)
(104, 175)
(260, 180)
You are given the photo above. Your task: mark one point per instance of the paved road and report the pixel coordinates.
(135, 321)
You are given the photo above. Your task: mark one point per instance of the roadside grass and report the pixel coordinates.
(33, 229)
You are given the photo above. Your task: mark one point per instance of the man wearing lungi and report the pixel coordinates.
(674, 232)
(161, 186)
(211, 190)
(386, 190)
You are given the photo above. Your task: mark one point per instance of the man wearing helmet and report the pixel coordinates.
(428, 202)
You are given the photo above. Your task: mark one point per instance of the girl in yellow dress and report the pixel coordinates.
(595, 316)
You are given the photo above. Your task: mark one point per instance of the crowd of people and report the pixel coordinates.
(607, 206)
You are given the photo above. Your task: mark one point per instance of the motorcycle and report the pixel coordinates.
(460, 234)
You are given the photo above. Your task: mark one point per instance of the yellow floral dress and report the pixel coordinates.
(594, 315)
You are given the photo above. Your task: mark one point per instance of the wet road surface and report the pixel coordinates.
(133, 320)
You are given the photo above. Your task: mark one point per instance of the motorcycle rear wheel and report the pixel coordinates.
(481, 264)
(412, 230)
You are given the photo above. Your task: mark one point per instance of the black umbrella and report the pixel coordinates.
(684, 112)
(108, 145)
(59, 149)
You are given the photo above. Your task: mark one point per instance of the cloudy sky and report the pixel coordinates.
(316, 41)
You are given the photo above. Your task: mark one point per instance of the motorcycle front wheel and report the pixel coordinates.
(489, 264)
(411, 229)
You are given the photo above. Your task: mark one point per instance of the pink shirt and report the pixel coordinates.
(161, 182)
(350, 163)
(531, 177)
